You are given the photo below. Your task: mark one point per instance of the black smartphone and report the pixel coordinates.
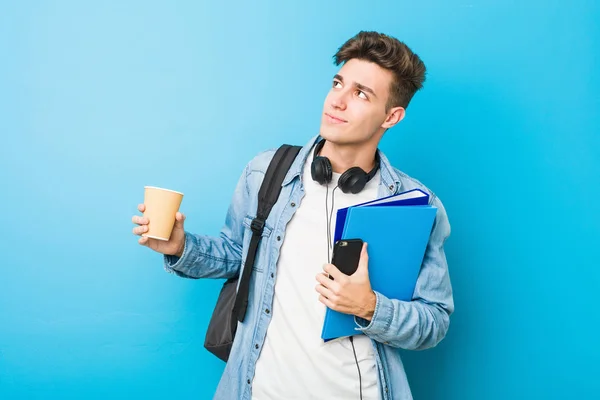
(346, 255)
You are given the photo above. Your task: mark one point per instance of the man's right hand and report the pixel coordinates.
(174, 246)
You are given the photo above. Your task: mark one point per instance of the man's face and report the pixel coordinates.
(354, 110)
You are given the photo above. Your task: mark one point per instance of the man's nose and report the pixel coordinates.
(339, 101)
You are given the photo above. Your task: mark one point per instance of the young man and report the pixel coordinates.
(277, 352)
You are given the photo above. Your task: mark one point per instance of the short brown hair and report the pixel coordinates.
(391, 54)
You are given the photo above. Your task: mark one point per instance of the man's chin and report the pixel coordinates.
(332, 135)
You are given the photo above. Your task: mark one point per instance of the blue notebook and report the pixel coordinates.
(415, 197)
(397, 230)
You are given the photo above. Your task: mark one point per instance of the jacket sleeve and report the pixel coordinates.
(215, 257)
(423, 322)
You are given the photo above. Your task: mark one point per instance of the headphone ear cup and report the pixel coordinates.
(321, 170)
(353, 180)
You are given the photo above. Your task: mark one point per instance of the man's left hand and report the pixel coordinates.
(348, 294)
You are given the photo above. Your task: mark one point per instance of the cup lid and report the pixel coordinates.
(159, 188)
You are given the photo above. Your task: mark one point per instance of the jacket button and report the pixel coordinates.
(267, 311)
(293, 204)
(272, 275)
(248, 381)
(278, 238)
(256, 346)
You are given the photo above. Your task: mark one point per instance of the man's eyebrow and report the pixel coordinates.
(357, 85)
(365, 88)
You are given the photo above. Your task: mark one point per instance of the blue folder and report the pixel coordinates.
(397, 230)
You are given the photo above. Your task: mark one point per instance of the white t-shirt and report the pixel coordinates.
(294, 362)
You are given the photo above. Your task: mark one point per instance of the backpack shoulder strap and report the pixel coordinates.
(267, 197)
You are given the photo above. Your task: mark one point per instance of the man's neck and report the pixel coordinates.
(343, 157)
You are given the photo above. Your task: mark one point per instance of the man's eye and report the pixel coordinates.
(364, 96)
(336, 83)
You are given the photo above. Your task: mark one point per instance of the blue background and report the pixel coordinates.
(99, 99)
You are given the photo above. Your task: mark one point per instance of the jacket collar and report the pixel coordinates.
(389, 177)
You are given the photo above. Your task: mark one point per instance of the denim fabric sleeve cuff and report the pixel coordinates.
(173, 263)
(381, 320)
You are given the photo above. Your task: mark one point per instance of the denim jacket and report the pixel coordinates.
(416, 325)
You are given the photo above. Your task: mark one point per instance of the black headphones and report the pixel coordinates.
(351, 181)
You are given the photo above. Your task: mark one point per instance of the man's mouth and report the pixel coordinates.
(334, 119)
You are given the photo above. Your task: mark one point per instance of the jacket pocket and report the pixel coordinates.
(248, 222)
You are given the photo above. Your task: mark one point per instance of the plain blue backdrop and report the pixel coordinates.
(98, 99)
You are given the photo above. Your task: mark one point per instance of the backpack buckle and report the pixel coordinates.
(257, 225)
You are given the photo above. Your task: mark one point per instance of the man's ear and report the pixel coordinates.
(395, 115)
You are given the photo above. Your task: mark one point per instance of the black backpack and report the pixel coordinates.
(231, 306)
